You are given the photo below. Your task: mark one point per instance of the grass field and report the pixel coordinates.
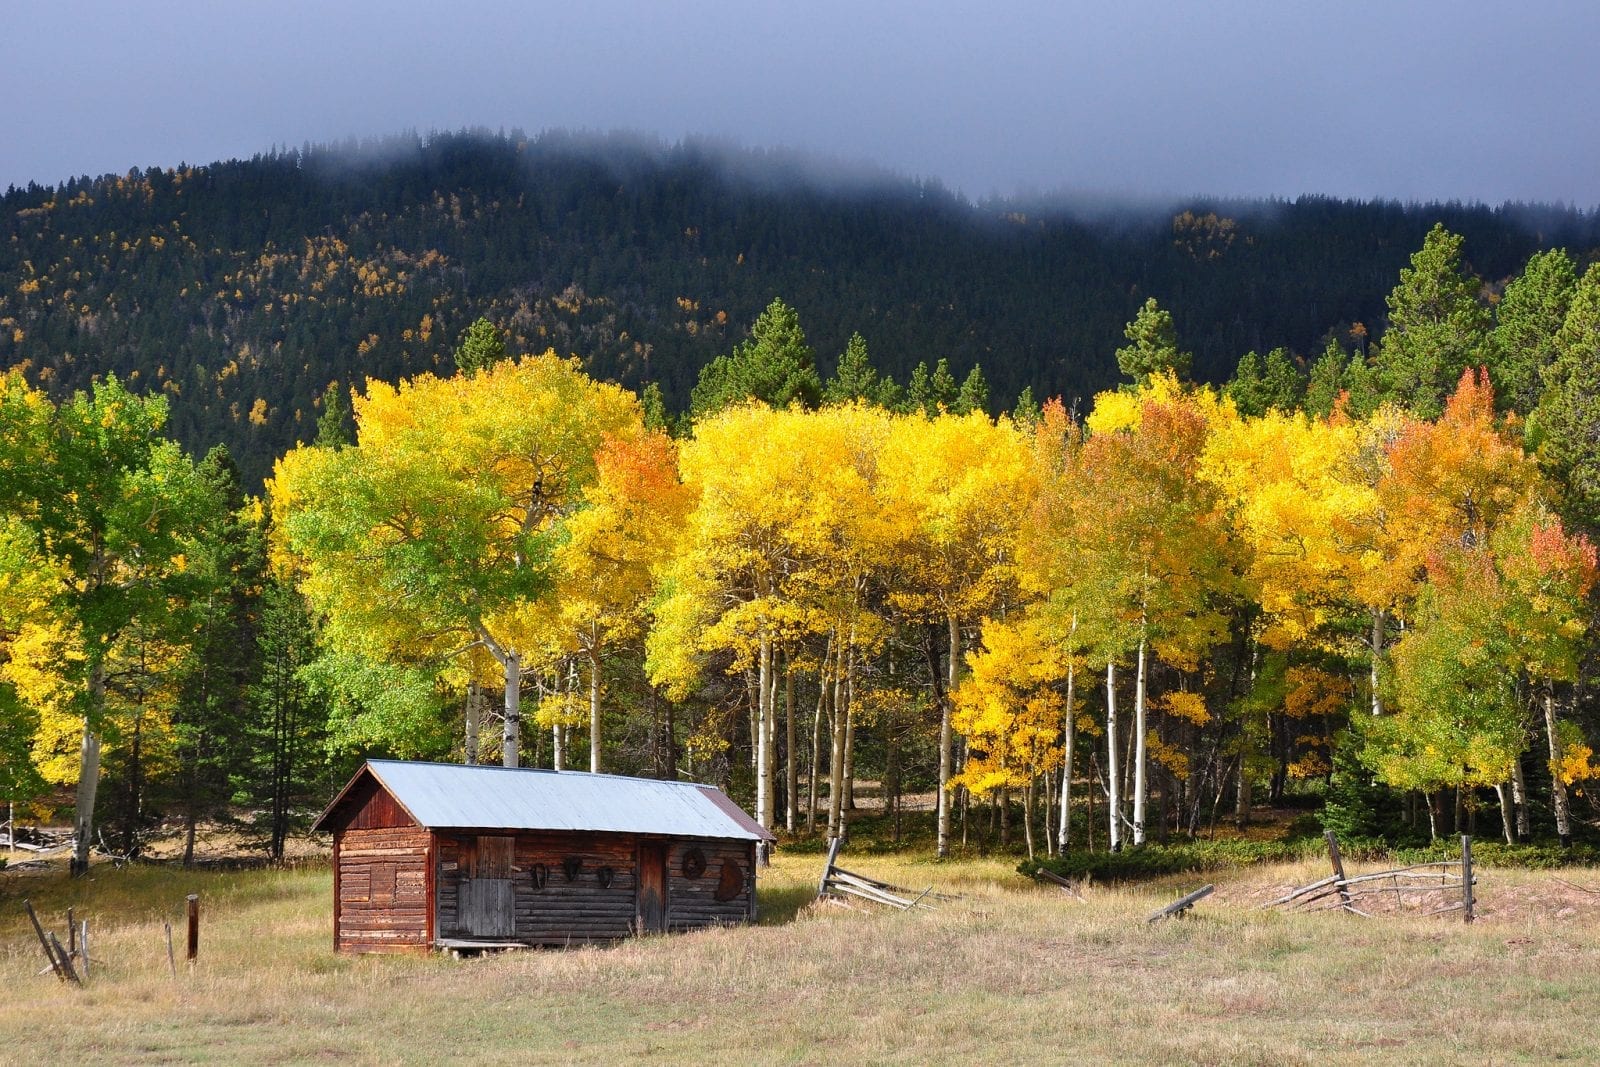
(1010, 973)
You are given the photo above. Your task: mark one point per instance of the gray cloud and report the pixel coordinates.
(1467, 100)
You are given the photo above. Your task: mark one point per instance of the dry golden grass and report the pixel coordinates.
(1011, 973)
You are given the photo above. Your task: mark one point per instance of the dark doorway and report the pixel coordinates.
(652, 887)
(488, 903)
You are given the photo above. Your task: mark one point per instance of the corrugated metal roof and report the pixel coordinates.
(456, 796)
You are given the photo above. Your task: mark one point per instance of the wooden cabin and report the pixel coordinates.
(442, 855)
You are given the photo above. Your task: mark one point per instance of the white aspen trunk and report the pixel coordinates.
(850, 732)
(1377, 650)
(1558, 788)
(791, 770)
(1027, 816)
(1064, 830)
(836, 753)
(594, 706)
(511, 740)
(88, 774)
(1501, 791)
(764, 733)
(945, 763)
(1113, 769)
(1141, 783)
(1519, 796)
(816, 738)
(472, 723)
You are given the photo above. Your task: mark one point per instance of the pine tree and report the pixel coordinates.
(974, 394)
(1566, 423)
(1437, 327)
(1326, 381)
(943, 388)
(855, 379)
(1247, 390)
(774, 365)
(1152, 346)
(481, 347)
(1527, 319)
(333, 425)
(1028, 412)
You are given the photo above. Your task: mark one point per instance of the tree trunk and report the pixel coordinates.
(1027, 815)
(1506, 819)
(1241, 792)
(1558, 788)
(1064, 830)
(791, 768)
(850, 733)
(945, 763)
(1519, 796)
(816, 739)
(836, 754)
(511, 739)
(764, 733)
(471, 747)
(1377, 651)
(88, 773)
(1113, 769)
(594, 707)
(1141, 779)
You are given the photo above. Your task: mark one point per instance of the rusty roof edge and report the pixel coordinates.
(733, 811)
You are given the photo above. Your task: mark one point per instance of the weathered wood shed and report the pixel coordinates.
(449, 856)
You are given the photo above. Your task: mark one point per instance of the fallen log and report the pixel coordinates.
(1181, 905)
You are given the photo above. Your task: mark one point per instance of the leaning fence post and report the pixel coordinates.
(1466, 879)
(44, 942)
(1338, 869)
(172, 963)
(193, 951)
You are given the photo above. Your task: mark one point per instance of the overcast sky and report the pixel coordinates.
(1466, 100)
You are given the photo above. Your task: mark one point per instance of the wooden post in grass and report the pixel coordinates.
(193, 951)
(172, 962)
(44, 942)
(83, 948)
(66, 961)
(827, 868)
(1338, 868)
(1466, 878)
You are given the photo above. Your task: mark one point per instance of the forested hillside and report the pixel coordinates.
(240, 290)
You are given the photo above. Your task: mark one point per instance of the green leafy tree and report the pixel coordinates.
(1437, 327)
(333, 425)
(109, 501)
(1152, 346)
(774, 365)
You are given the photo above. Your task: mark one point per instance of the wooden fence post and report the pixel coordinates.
(44, 942)
(1466, 879)
(193, 950)
(1338, 869)
(172, 963)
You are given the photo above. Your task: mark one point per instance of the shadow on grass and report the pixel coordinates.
(778, 905)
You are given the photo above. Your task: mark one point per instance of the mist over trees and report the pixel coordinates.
(240, 290)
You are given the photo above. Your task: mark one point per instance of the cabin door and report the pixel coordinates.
(652, 887)
(488, 904)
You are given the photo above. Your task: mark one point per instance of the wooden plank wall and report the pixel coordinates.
(692, 902)
(582, 910)
(561, 912)
(382, 903)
